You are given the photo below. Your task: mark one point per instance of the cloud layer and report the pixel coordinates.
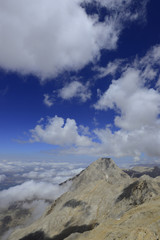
(2, 178)
(30, 191)
(46, 37)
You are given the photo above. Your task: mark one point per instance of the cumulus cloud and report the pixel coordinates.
(46, 37)
(121, 143)
(134, 97)
(128, 97)
(129, 143)
(59, 132)
(30, 191)
(136, 103)
(75, 89)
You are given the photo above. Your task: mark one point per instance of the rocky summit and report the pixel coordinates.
(103, 203)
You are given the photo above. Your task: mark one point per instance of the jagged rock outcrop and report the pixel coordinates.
(102, 169)
(102, 203)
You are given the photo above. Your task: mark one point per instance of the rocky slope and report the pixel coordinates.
(12, 217)
(20, 214)
(140, 171)
(103, 203)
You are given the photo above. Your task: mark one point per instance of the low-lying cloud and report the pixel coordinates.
(30, 190)
(38, 188)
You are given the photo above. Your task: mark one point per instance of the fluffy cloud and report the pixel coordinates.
(75, 89)
(46, 37)
(58, 132)
(128, 143)
(121, 143)
(136, 102)
(29, 191)
(54, 175)
(18, 172)
(137, 105)
(135, 99)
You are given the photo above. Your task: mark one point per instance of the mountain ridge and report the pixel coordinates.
(100, 196)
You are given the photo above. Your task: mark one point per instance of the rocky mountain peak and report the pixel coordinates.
(104, 164)
(101, 169)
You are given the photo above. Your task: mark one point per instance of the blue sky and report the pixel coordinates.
(80, 79)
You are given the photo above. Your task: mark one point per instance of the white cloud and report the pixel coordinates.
(121, 143)
(137, 108)
(129, 143)
(112, 4)
(7, 166)
(128, 97)
(31, 175)
(58, 132)
(29, 191)
(125, 9)
(149, 65)
(46, 37)
(47, 100)
(135, 99)
(111, 69)
(54, 41)
(54, 175)
(75, 89)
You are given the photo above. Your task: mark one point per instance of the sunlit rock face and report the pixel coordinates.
(103, 202)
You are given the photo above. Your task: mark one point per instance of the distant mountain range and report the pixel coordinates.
(143, 170)
(103, 203)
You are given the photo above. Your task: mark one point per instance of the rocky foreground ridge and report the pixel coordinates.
(103, 203)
